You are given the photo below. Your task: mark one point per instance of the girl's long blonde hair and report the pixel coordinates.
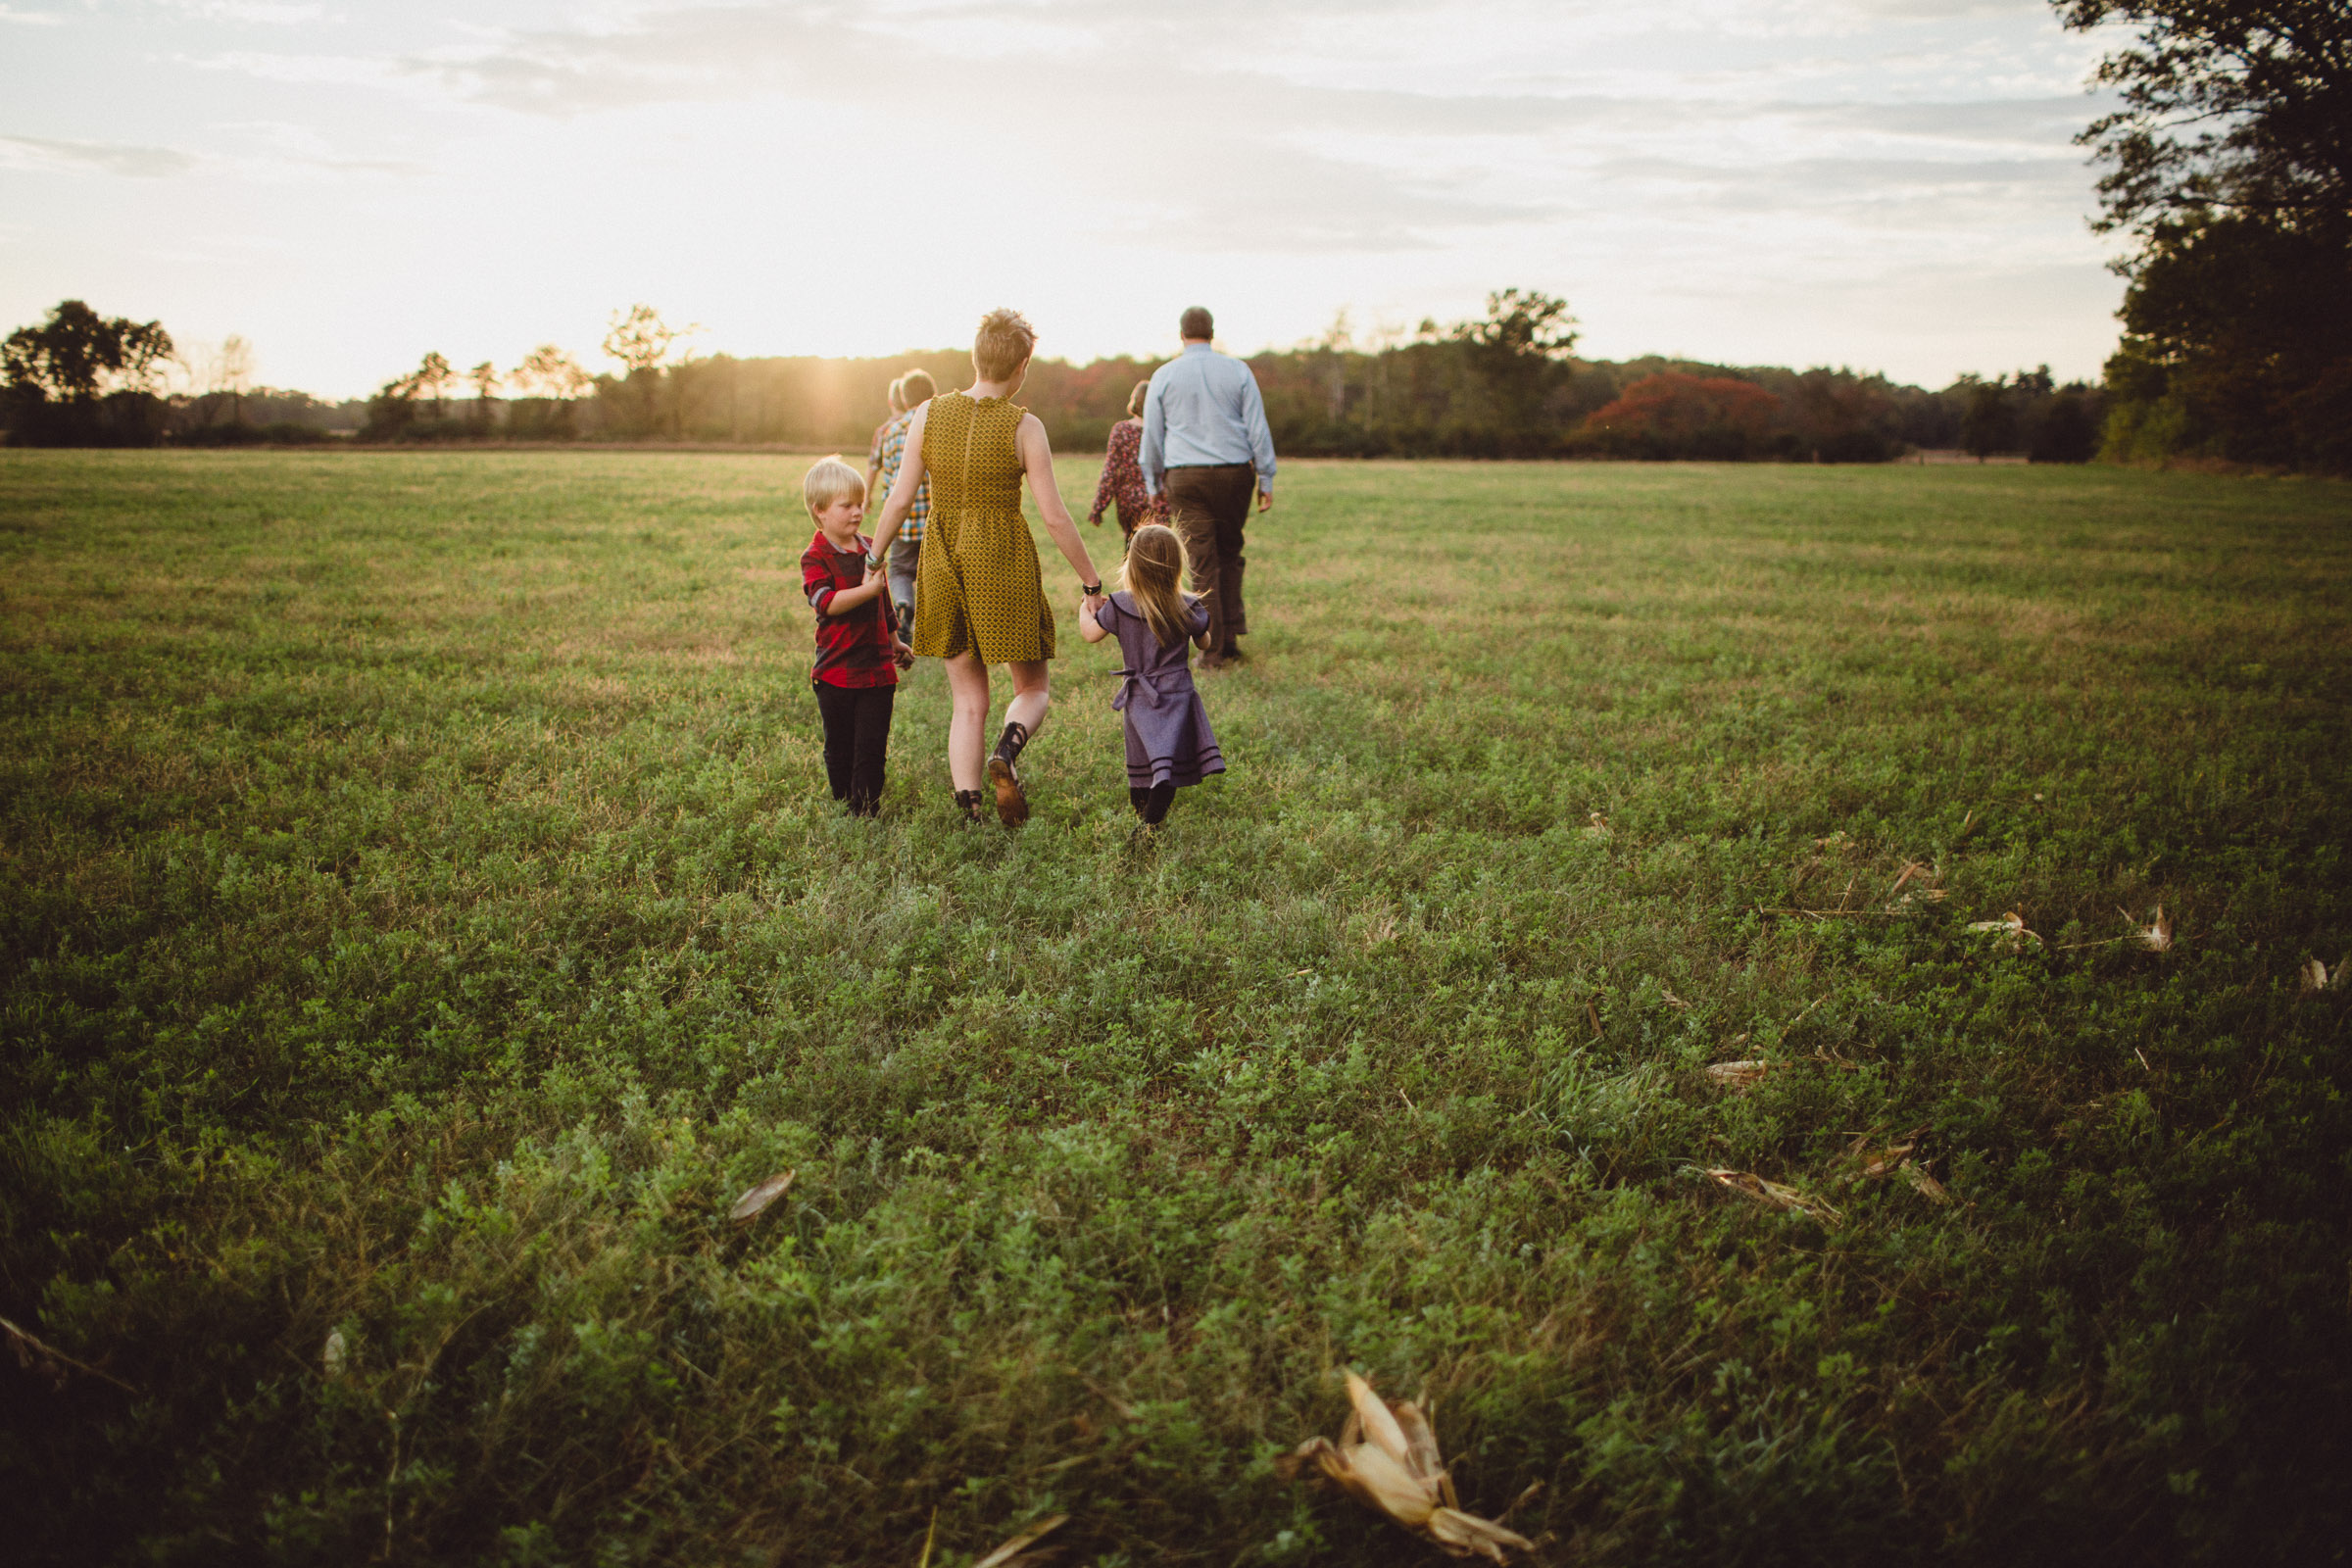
(1153, 575)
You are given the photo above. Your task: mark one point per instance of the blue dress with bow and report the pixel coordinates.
(1168, 738)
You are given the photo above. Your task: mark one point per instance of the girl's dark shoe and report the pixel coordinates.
(969, 801)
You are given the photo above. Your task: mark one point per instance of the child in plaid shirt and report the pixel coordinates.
(912, 391)
(859, 650)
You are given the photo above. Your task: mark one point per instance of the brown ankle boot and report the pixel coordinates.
(1012, 806)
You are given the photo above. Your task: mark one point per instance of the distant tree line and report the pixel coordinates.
(84, 379)
(1505, 385)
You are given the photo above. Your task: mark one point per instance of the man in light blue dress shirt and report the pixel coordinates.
(1206, 446)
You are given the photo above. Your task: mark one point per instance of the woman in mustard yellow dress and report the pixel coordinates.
(978, 597)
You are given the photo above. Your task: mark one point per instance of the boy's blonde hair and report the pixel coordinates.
(829, 480)
(1153, 575)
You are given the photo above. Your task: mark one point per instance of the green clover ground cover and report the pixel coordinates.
(422, 918)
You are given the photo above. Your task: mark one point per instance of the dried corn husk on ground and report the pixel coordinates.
(748, 1207)
(1386, 1459)
(1015, 1553)
(2009, 931)
(1750, 1184)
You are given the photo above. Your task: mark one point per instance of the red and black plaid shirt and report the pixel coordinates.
(852, 650)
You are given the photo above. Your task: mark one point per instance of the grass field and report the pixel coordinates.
(423, 917)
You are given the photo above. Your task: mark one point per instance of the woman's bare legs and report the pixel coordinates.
(1032, 694)
(1023, 716)
(967, 721)
(967, 725)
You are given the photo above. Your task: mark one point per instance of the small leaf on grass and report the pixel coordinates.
(1774, 1195)
(1739, 1074)
(2156, 937)
(1387, 1459)
(1015, 1552)
(747, 1208)
(2315, 975)
(1886, 1161)
(331, 1359)
(1926, 1186)
(1597, 827)
(1673, 1001)
(2010, 930)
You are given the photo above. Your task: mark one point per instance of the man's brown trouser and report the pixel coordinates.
(1209, 506)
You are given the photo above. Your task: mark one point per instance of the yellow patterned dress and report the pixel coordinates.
(976, 582)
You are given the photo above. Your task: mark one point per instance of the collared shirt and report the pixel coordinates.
(853, 649)
(1203, 408)
(891, 445)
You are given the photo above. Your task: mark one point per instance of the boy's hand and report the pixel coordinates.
(902, 654)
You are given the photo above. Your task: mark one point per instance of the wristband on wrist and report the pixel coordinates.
(1091, 589)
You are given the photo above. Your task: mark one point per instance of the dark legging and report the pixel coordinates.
(1153, 804)
(857, 741)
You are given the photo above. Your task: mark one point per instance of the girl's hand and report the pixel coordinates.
(904, 655)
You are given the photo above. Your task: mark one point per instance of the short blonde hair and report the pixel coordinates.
(898, 396)
(829, 480)
(1003, 345)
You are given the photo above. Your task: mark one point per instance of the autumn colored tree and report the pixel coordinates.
(1671, 415)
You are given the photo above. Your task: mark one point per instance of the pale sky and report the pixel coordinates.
(1890, 184)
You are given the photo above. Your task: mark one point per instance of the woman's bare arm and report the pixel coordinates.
(1037, 460)
(909, 480)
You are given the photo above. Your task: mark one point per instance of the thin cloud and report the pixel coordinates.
(95, 157)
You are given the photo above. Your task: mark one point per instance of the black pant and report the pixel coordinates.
(857, 741)
(1209, 506)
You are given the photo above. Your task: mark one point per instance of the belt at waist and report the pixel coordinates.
(1151, 688)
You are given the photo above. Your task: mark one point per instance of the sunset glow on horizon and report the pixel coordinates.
(1887, 185)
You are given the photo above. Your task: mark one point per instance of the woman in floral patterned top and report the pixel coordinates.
(1123, 477)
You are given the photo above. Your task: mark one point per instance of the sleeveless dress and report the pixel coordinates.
(976, 582)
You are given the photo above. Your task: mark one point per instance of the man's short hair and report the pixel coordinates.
(1197, 324)
(917, 388)
(1003, 344)
(829, 480)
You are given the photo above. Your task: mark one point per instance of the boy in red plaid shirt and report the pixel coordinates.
(858, 649)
